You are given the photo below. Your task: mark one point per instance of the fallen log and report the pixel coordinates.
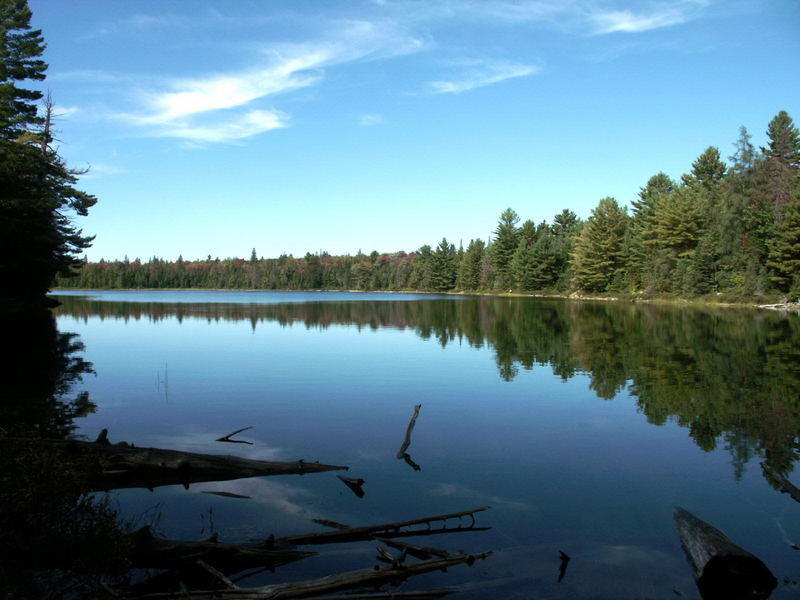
(123, 465)
(385, 530)
(365, 578)
(149, 551)
(779, 481)
(723, 570)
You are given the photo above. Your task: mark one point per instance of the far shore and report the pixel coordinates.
(632, 298)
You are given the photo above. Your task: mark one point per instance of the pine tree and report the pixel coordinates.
(707, 171)
(444, 266)
(778, 172)
(598, 258)
(469, 269)
(784, 140)
(784, 259)
(37, 238)
(643, 237)
(503, 247)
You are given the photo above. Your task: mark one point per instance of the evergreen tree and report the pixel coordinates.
(503, 247)
(598, 258)
(707, 171)
(777, 173)
(784, 140)
(643, 238)
(444, 266)
(784, 259)
(469, 269)
(37, 238)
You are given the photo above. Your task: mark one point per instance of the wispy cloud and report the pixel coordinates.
(134, 22)
(481, 73)
(214, 108)
(373, 119)
(593, 16)
(626, 21)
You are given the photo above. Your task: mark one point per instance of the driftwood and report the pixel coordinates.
(779, 480)
(386, 530)
(123, 465)
(159, 553)
(723, 570)
(365, 578)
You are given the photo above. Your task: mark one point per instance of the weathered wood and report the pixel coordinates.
(365, 578)
(386, 530)
(126, 466)
(723, 570)
(160, 553)
(779, 481)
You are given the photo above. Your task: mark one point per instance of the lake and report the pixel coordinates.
(582, 424)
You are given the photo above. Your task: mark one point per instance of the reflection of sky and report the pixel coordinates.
(563, 469)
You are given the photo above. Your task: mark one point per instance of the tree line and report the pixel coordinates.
(730, 228)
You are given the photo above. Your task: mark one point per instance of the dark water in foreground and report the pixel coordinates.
(582, 424)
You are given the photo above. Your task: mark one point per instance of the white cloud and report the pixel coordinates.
(208, 109)
(595, 16)
(373, 119)
(240, 127)
(480, 74)
(616, 21)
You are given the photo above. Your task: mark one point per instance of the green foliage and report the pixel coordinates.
(598, 258)
(469, 268)
(784, 259)
(503, 247)
(784, 140)
(20, 49)
(707, 171)
(37, 238)
(444, 266)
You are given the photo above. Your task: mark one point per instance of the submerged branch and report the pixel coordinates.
(386, 530)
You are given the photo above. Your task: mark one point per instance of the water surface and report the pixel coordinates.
(582, 424)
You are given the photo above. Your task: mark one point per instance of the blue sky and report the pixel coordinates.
(218, 126)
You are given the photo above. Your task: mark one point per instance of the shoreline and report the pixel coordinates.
(792, 307)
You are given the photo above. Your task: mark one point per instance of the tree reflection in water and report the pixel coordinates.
(57, 540)
(730, 376)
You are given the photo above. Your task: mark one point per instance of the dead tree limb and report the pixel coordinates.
(386, 530)
(365, 578)
(227, 438)
(723, 570)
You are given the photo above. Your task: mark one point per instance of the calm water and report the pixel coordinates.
(582, 424)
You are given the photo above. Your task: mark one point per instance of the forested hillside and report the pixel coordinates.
(731, 228)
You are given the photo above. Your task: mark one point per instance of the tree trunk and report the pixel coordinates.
(723, 570)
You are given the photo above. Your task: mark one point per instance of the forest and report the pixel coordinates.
(728, 229)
